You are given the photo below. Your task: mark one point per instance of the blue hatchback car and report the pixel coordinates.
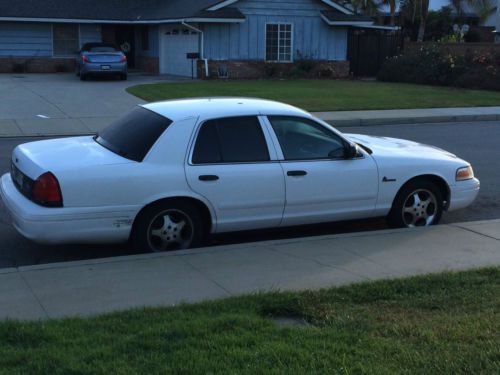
(101, 59)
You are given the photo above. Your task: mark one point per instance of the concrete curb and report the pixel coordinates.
(223, 248)
(331, 118)
(411, 120)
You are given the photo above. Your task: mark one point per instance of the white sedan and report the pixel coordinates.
(168, 173)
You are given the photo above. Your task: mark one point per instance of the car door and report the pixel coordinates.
(231, 165)
(321, 183)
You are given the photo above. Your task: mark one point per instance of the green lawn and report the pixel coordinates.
(442, 324)
(326, 95)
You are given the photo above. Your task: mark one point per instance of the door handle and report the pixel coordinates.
(208, 177)
(296, 173)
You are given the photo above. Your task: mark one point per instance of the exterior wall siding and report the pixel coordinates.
(20, 39)
(312, 37)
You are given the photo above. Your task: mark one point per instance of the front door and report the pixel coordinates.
(231, 165)
(321, 184)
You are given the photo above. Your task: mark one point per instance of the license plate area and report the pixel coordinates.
(23, 183)
(105, 67)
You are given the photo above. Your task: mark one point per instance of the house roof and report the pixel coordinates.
(340, 17)
(114, 10)
(128, 11)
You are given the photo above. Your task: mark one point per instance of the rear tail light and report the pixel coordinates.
(85, 59)
(46, 191)
(123, 58)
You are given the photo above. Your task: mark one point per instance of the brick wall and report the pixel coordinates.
(148, 64)
(36, 65)
(262, 69)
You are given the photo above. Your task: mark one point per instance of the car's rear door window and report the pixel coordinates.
(133, 135)
(231, 140)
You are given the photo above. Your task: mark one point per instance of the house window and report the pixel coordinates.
(66, 39)
(145, 38)
(279, 42)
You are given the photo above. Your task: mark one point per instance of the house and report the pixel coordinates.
(222, 37)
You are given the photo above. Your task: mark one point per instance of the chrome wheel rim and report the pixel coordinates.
(420, 208)
(170, 230)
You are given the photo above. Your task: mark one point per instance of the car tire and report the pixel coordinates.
(123, 77)
(418, 203)
(83, 77)
(168, 225)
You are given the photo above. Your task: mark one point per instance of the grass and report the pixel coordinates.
(326, 95)
(440, 324)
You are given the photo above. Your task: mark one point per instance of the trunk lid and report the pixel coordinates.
(57, 155)
(104, 57)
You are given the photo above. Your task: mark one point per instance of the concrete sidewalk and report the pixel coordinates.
(410, 116)
(104, 285)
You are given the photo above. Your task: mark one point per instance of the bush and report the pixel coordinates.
(433, 65)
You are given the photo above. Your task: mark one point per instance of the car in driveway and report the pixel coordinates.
(167, 174)
(101, 59)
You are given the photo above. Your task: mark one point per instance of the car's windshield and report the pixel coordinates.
(133, 135)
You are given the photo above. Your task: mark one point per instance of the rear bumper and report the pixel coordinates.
(463, 193)
(104, 68)
(64, 225)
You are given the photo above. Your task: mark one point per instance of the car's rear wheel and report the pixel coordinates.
(123, 77)
(418, 203)
(167, 226)
(83, 77)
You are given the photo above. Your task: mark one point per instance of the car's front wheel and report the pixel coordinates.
(167, 226)
(418, 203)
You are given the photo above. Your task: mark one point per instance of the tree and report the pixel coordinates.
(424, 12)
(367, 7)
(392, 7)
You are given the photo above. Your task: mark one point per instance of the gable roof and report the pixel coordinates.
(334, 4)
(137, 11)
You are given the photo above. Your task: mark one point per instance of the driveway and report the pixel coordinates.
(32, 103)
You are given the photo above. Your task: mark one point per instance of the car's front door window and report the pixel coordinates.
(304, 139)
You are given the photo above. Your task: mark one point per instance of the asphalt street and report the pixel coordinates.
(475, 142)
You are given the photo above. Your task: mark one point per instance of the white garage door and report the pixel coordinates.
(176, 43)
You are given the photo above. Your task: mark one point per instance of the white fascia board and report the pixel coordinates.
(346, 23)
(339, 7)
(137, 22)
(331, 3)
(222, 4)
(215, 20)
(393, 28)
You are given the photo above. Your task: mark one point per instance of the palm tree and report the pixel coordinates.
(424, 12)
(392, 7)
(482, 8)
(367, 7)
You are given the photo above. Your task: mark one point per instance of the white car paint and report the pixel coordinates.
(103, 192)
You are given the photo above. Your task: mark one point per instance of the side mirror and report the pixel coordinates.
(350, 151)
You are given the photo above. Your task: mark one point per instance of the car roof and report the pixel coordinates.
(214, 107)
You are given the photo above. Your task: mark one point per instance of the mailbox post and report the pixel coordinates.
(192, 56)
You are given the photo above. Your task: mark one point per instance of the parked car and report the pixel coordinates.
(101, 59)
(167, 173)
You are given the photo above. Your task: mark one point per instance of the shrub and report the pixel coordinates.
(432, 64)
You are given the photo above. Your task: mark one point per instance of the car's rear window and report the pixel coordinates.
(99, 47)
(133, 135)
(103, 49)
